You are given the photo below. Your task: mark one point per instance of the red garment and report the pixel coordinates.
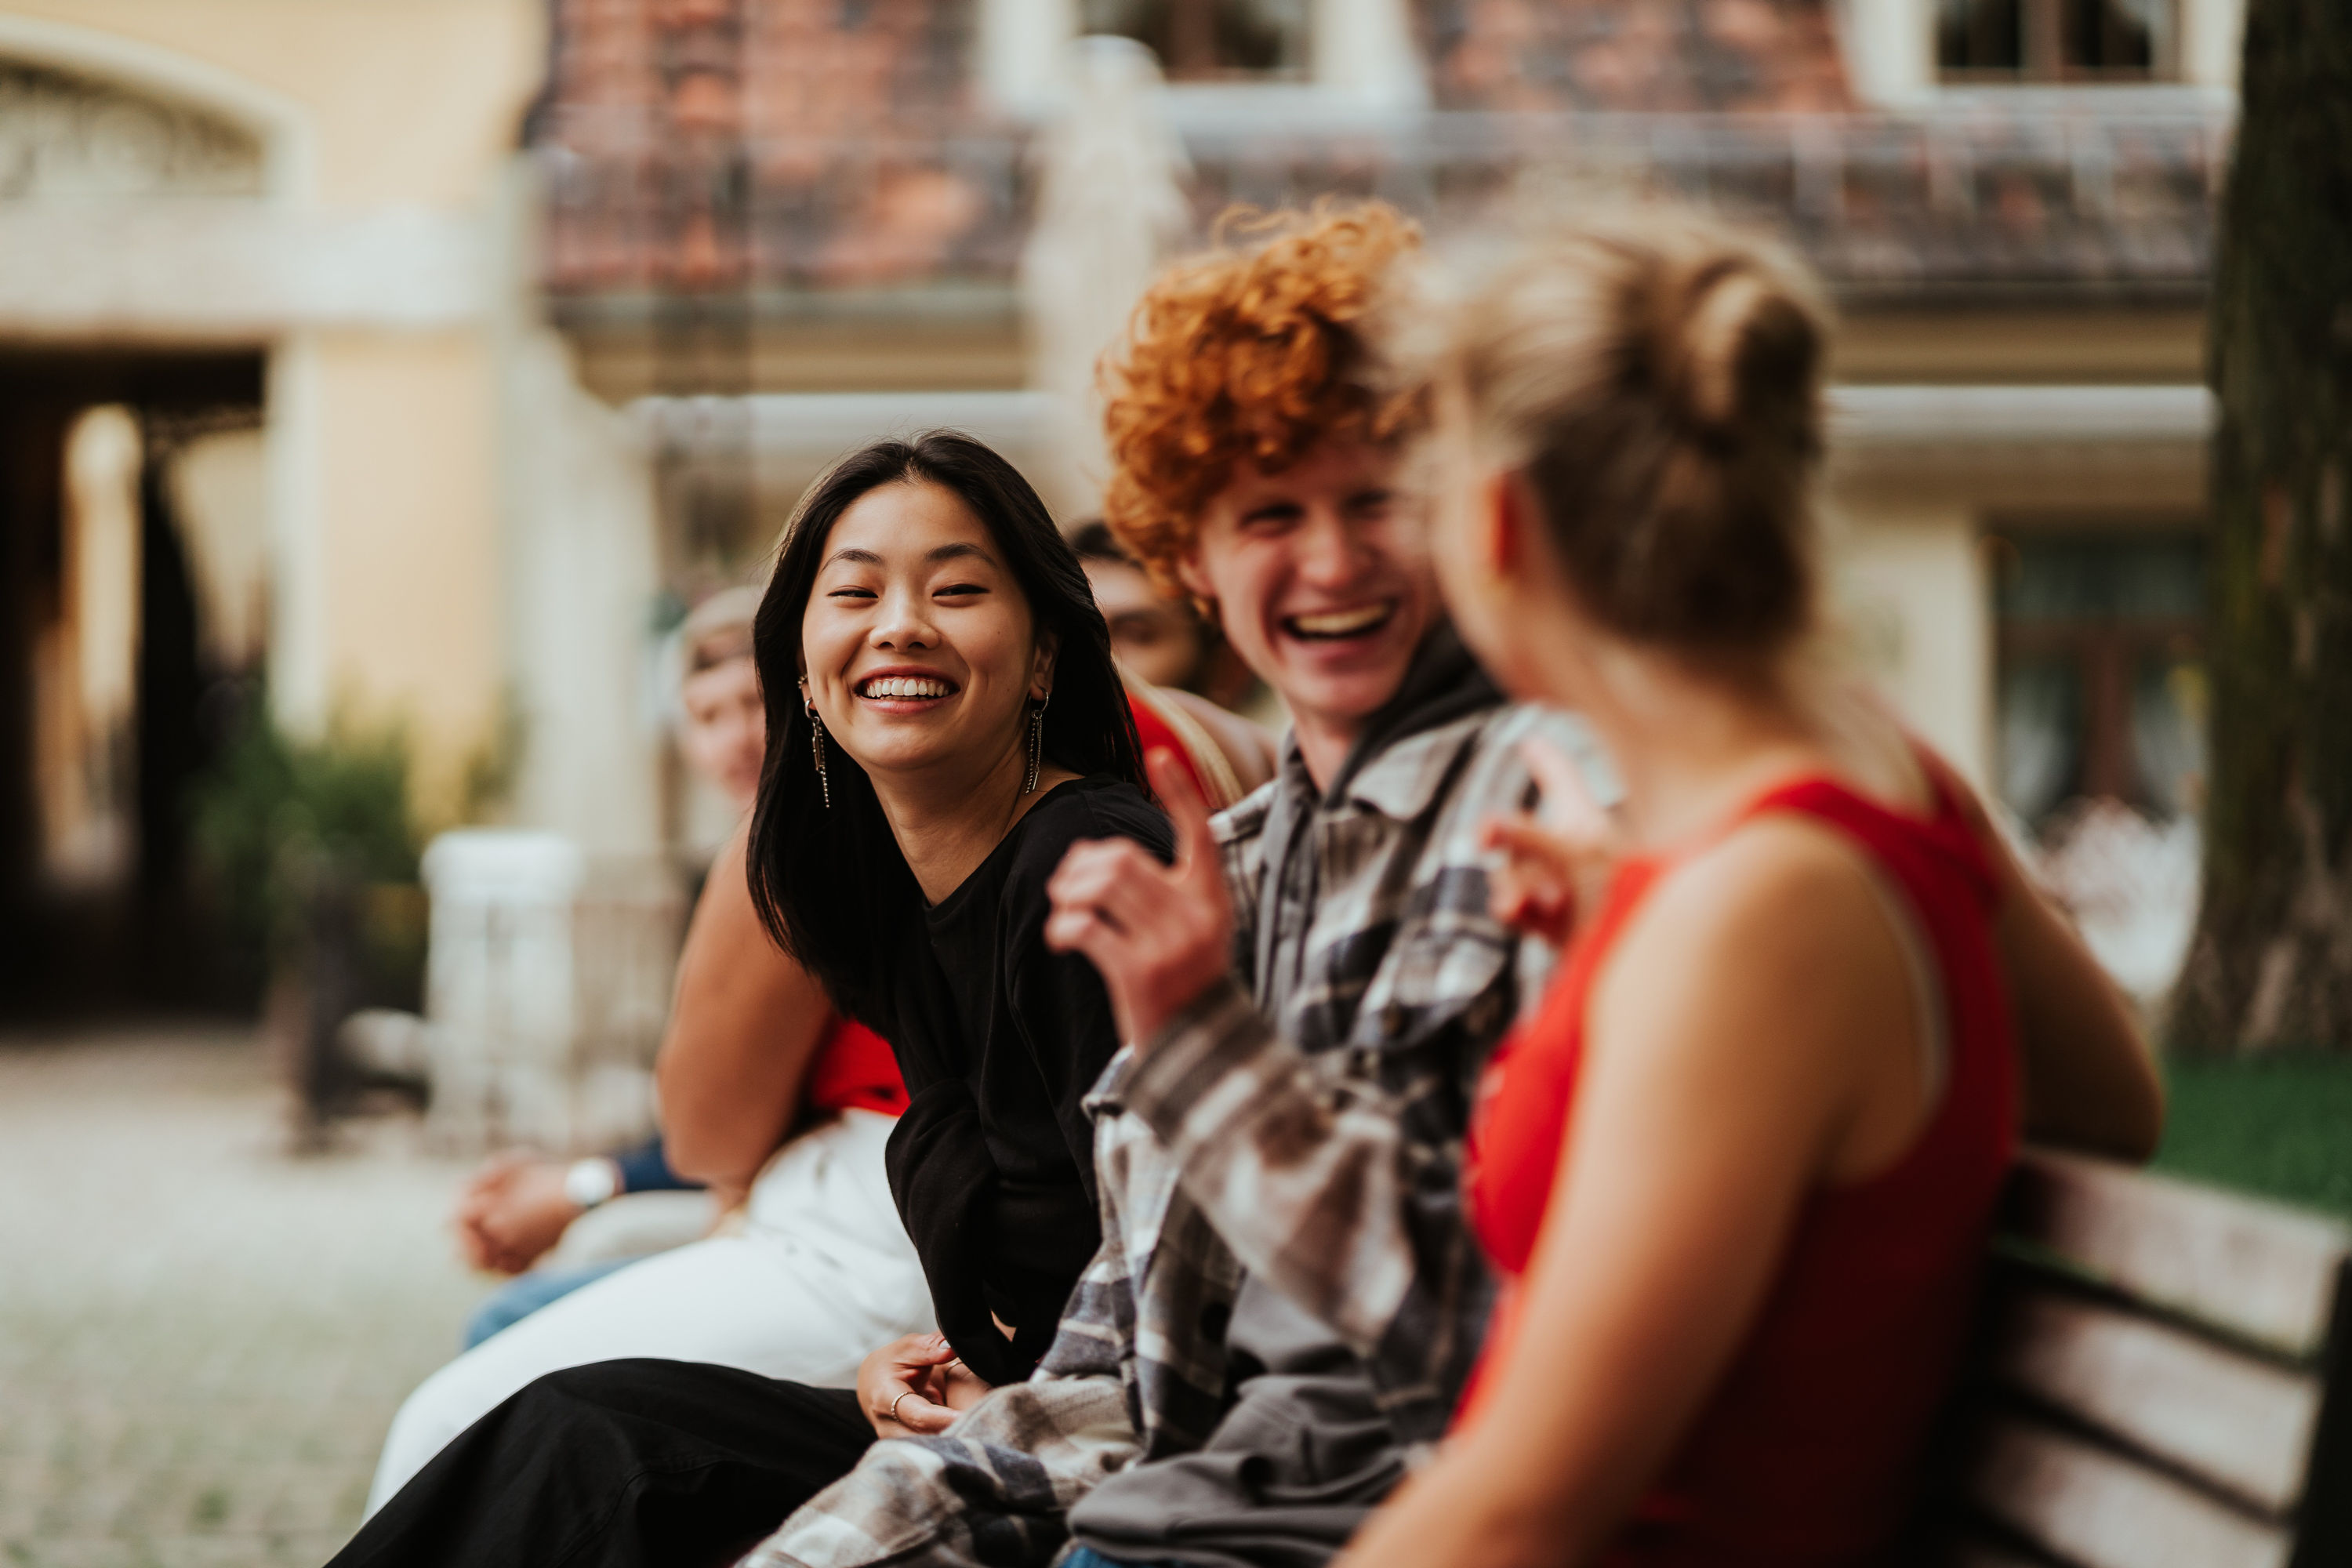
(855, 1071)
(1806, 1452)
(1154, 733)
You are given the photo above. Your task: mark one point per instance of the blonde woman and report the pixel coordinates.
(1736, 1171)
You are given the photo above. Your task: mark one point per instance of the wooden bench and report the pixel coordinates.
(2165, 1381)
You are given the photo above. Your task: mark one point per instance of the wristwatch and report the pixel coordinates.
(592, 1182)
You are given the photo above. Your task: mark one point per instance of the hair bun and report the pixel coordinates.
(1655, 373)
(1711, 334)
(1740, 344)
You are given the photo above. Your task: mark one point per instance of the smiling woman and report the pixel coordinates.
(926, 630)
(917, 647)
(944, 721)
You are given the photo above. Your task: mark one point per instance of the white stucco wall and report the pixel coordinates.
(363, 264)
(1908, 597)
(581, 572)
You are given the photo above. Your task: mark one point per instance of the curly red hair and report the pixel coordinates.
(1251, 353)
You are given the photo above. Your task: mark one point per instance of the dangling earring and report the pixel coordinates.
(1036, 743)
(816, 744)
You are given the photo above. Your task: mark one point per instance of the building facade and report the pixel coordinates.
(778, 224)
(483, 335)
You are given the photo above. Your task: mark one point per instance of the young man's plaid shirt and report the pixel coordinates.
(1323, 1152)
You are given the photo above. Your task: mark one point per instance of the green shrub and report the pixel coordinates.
(279, 815)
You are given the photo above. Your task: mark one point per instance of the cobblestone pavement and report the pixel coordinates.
(202, 1339)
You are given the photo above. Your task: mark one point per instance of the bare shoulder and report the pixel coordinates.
(1779, 880)
(1776, 931)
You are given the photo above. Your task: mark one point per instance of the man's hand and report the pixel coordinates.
(1555, 855)
(1160, 934)
(512, 1211)
(916, 1386)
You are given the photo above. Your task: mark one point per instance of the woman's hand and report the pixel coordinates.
(915, 1386)
(1554, 857)
(512, 1211)
(1160, 934)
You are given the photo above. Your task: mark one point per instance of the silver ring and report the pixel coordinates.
(893, 1406)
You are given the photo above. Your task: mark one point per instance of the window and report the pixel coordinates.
(2102, 688)
(2053, 40)
(1210, 41)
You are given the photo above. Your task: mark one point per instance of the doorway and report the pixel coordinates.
(130, 617)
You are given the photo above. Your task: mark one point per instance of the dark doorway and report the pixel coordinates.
(137, 939)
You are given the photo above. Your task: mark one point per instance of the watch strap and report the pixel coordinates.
(592, 1182)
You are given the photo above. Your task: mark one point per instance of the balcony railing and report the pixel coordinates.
(1970, 203)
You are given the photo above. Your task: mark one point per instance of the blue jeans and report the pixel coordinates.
(526, 1293)
(1088, 1557)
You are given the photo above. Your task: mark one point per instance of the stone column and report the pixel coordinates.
(1110, 210)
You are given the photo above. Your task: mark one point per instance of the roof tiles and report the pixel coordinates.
(750, 146)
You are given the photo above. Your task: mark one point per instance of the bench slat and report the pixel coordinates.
(2252, 1268)
(2242, 1423)
(2099, 1509)
(2323, 1524)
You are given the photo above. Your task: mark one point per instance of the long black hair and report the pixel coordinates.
(829, 882)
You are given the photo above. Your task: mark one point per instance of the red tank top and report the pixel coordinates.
(855, 1071)
(1805, 1452)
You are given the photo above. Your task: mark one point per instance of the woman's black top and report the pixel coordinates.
(1000, 1039)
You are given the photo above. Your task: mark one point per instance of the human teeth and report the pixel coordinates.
(1341, 622)
(900, 685)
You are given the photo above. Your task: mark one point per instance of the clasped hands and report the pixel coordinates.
(514, 1208)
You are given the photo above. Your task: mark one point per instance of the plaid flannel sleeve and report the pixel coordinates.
(992, 1489)
(1341, 1194)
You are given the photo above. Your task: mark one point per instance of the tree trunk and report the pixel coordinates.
(2272, 961)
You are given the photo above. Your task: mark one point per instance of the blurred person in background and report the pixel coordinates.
(944, 719)
(1172, 659)
(725, 734)
(1157, 637)
(598, 1213)
(777, 1104)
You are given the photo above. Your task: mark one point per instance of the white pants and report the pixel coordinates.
(634, 1225)
(819, 1273)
